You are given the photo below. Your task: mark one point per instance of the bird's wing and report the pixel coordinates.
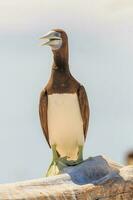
(84, 108)
(43, 105)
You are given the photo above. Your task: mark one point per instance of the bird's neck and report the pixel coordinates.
(60, 60)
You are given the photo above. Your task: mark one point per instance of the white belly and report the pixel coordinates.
(65, 124)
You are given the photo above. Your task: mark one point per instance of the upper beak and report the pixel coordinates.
(47, 38)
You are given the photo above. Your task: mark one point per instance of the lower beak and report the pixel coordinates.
(45, 42)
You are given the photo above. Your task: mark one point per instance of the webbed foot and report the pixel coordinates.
(68, 162)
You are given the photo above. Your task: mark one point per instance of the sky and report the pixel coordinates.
(100, 44)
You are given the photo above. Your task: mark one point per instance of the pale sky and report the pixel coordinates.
(101, 45)
(19, 15)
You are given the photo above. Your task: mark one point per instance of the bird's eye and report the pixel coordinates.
(57, 34)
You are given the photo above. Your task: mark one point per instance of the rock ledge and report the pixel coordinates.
(97, 178)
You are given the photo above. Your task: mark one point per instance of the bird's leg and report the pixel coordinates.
(80, 153)
(55, 154)
(53, 168)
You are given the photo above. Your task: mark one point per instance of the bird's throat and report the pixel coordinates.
(60, 58)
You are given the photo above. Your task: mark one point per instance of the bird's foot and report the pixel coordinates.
(66, 160)
(53, 169)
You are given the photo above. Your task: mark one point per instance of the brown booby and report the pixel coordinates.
(63, 108)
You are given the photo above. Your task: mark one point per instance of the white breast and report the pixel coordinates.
(65, 124)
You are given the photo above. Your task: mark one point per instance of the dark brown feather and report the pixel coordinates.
(84, 108)
(43, 106)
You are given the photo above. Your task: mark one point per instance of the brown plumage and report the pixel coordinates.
(62, 82)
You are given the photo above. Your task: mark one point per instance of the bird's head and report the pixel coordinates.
(56, 39)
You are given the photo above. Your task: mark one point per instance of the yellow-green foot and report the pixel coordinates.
(59, 163)
(68, 162)
(53, 168)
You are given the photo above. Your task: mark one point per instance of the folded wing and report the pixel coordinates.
(84, 108)
(43, 106)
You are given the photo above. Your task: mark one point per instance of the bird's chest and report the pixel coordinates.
(64, 118)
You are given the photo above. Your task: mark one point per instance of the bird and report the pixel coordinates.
(63, 107)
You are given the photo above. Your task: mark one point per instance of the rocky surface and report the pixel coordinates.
(97, 178)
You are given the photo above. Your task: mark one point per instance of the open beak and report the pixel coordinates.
(50, 38)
